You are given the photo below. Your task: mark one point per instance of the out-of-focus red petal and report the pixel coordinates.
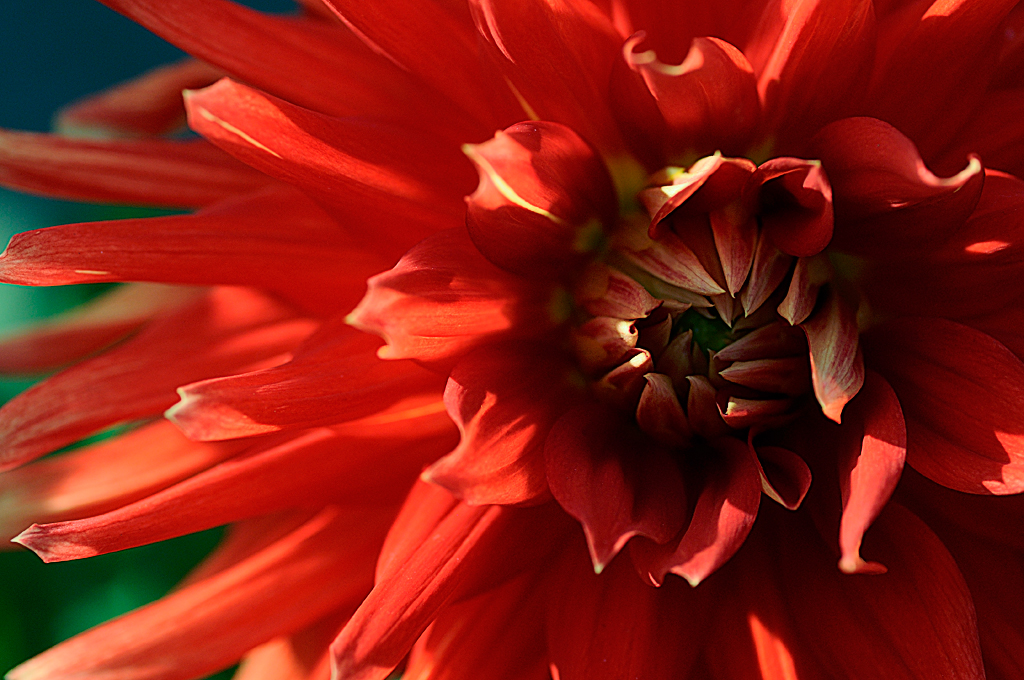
(543, 199)
(616, 481)
(438, 549)
(323, 565)
(237, 242)
(722, 518)
(155, 172)
(313, 468)
(873, 446)
(496, 635)
(334, 377)
(558, 58)
(103, 476)
(148, 105)
(64, 338)
(444, 297)
(961, 397)
(392, 185)
(405, 31)
(886, 201)
(708, 102)
(231, 329)
(837, 366)
(504, 401)
(302, 655)
(812, 59)
(351, 80)
(948, 37)
(613, 626)
(795, 205)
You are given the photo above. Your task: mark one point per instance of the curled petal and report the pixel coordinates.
(785, 477)
(886, 200)
(960, 394)
(869, 466)
(795, 205)
(543, 197)
(615, 481)
(837, 367)
(711, 183)
(802, 297)
(444, 297)
(153, 172)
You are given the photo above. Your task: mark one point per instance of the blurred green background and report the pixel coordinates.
(53, 53)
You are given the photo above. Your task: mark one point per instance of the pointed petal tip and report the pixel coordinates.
(50, 548)
(853, 564)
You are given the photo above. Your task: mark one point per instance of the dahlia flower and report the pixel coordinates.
(706, 364)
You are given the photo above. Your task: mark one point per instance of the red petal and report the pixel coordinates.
(722, 518)
(708, 102)
(496, 635)
(543, 198)
(404, 31)
(837, 367)
(795, 205)
(613, 626)
(319, 567)
(713, 182)
(802, 296)
(148, 105)
(613, 479)
(504, 402)
(437, 550)
(88, 328)
(349, 78)
(993, 132)
(334, 377)
(558, 61)
(308, 470)
(961, 397)
(785, 477)
(443, 298)
(767, 271)
(142, 172)
(239, 242)
(874, 446)
(103, 476)
(672, 261)
(812, 59)
(660, 414)
(230, 329)
(886, 200)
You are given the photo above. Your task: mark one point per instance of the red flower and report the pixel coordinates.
(735, 250)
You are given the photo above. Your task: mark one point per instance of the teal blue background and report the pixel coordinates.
(53, 53)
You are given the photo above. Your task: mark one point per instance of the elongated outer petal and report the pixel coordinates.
(334, 377)
(543, 199)
(495, 635)
(350, 79)
(301, 655)
(722, 518)
(961, 395)
(64, 338)
(444, 297)
(812, 59)
(148, 105)
(230, 329)
(886, 200)
(837, 364)
(276, 240)
(807, 619)
(613, 625)
(504, 401)
(313, 468)
(557, 56)
(390, 185)
(404, 31)
(868, 468)
(936, 68)
(616, 481)
(320, 566)
(154, 172)
(708, 102)
(438, 550)
(103, 476)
